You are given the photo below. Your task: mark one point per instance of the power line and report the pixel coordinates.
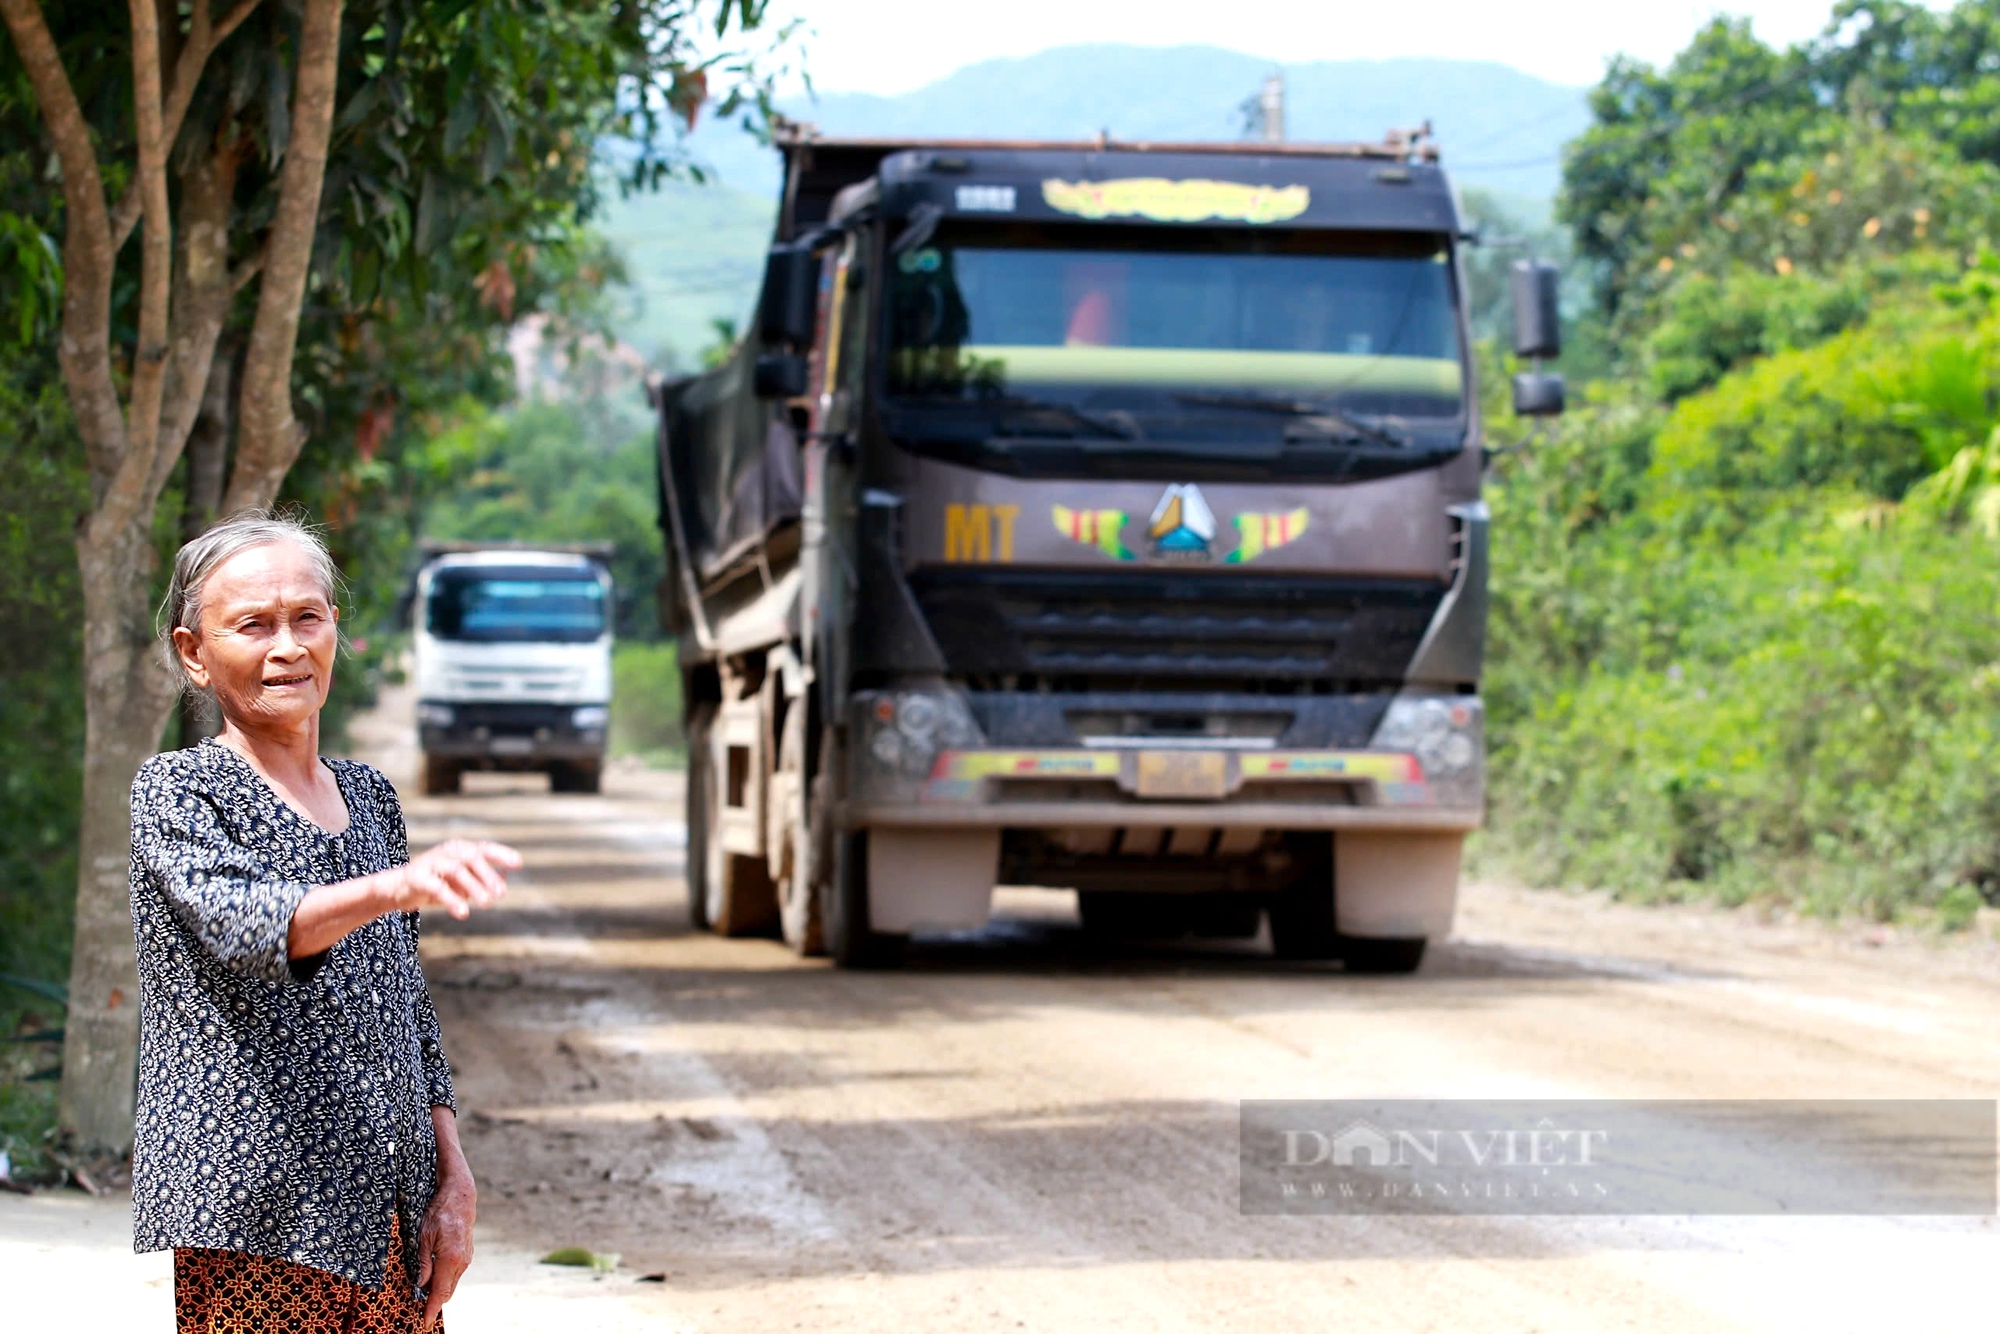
(1522, 127)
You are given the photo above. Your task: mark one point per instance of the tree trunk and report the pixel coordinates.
(128, 698)
(133, 447)
(182, 306)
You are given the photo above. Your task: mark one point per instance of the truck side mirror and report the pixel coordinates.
(1538, 394)
(1537, 313)
(779, 375)
(791, 295)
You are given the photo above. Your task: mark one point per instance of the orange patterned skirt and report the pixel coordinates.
(231, 1292)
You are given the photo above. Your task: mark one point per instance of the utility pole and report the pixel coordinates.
(1271, 108)
(1264, 114)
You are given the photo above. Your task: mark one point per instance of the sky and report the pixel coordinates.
(892, 46)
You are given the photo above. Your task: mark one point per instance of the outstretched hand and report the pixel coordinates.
(458, 875)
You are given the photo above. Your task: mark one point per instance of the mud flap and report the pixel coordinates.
(1395, 884)
(940, 878)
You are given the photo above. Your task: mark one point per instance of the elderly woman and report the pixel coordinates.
(297, 1144)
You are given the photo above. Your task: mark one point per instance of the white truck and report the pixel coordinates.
(513, 662)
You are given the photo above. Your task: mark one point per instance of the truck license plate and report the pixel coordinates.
(513, 745)
(1195, 775)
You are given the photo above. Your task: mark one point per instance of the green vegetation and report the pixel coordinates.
(646, 703)
(577, 469)
(693, 256)
(1746, 643)
(454, 163)
(41, 737)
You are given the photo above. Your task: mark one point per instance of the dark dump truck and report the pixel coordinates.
(1098, 515)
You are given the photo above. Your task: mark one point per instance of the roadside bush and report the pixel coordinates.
(41, 737)
(1874, 409)
(1709, 326)
(1831, 710)
(646, 703)
(561, 471)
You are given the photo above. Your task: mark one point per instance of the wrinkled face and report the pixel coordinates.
(266, 642)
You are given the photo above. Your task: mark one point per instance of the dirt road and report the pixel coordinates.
(1021, 1131)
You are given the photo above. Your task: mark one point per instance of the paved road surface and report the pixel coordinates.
(1021, 1131)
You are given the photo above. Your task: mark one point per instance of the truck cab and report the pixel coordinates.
(1099, 515)
(512, 650)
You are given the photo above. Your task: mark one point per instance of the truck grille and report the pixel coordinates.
(1067, 631)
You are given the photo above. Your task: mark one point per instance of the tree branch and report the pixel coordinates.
(149, 355)
(240, 276)
(270, 436)
(204, 288)
(201, 43)
(85, 344)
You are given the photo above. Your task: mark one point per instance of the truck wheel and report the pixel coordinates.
(741, 899)
(1224, 916)
(1301, 916)
(1302, 924)
(699, 799)
(801, 819)
(580, 776)
(728, 893)
(1111, 914)
(441, 776)
(844, 914)
(1382, 955)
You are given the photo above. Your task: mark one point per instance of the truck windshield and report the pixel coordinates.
(516, 606)
(1168, 330)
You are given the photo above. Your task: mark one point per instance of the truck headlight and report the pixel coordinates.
(898, 735)
(1447, 734)
(434, 715)
(590, 718)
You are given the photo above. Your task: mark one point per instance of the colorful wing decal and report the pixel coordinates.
(1094, 528)
(1265, 532)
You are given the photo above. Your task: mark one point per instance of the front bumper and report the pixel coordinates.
(1179, 787)
(508, 735)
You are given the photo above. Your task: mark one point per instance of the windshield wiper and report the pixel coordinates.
(1014, 411)
(1305, 410)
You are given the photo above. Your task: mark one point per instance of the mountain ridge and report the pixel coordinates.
(1498, 127)
(695, 252)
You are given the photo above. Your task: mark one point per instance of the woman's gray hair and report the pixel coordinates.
(200, 558)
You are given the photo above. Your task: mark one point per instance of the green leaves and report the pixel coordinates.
(37, 269)
(1876, 139)
(1747, 645)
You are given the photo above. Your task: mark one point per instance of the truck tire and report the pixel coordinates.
(698, 797)
(806, 840)
(728, 893)
(441, 776)
(1302, 923)
(741, 898)
(844, 914)
(1123, 915)
(577, 776)
(1301, 916)
(1382, 955)
(1224, 916)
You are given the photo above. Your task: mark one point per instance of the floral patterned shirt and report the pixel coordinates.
(284, 1105)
